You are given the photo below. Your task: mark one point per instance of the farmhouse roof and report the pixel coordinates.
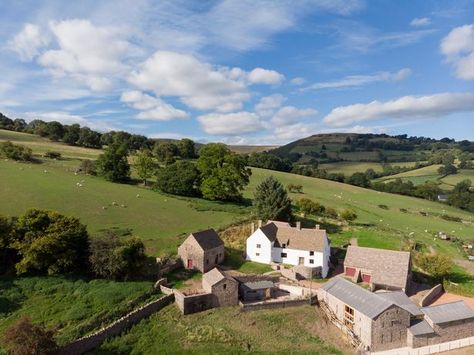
(401, 300)
(387, 267)
(258, 285)
(207, 239)
(421, 327)
(365, 302)
(448, 312)
(214, 276)
(293, 237)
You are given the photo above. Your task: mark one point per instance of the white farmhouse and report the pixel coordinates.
(278, 242)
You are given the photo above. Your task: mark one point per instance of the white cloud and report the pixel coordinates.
(230, 123)
(420, 21)
(298, 81)
(267, 104)
(88, 53)
(294, 131)
(289, 115)
(28, 42)
(409, 107)
(360, 80)
(265, 76)
(152, 108)
(458, 47)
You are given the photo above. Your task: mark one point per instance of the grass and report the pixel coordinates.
(349, 168)
(67, 304)
(227, 330)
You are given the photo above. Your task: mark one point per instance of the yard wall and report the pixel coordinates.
(432, 295)
(444, 333)
(94, 340)
(297, 290)
(277, 304)
(194, 303)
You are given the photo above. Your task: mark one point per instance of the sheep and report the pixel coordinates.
(138, 196)
(45, 171)
(114, 203)
(124, 206)
(104, 208)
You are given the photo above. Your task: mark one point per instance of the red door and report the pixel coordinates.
(366, 278)
(350, 271)
(190, 263)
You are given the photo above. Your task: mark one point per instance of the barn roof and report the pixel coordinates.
(207, 239)
(258, 285)
(358, 298)
(401, 300)
(421, 327)
(214, 276)
(387, 267)
(294, 237)
(448, 312)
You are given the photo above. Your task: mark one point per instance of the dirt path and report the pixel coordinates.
(354, 242)
(465, 264)
(449, 297)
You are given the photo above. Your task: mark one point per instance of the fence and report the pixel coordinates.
(94, 340)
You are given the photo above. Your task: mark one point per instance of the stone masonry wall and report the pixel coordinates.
(444, 333)
(94, 340)
(389, 329)
(226, 293)
(194, 303)
(432, 295)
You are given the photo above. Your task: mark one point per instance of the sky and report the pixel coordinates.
(240, 71)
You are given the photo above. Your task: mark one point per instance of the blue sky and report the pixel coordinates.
(242, 72)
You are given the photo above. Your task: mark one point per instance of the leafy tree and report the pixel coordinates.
(271, 201)
(37, 127)
(429, 190)
(223, 173)
(461, 196)
(358, 179)
(186, 149)
(269, 161)
(113, 258)
(88, 167)
(348, 215)
(88, 138)
(113, 164)
(145, 165)
(15, 151)
(180, 178)
(25, 338)
(447, 169)
(308, 206)
(436, 265)
(47, 241)
(330, 212)
(54, 130)
(166, 152)
(19, 125)
(7, 254)
(52, 155)
(71, 134)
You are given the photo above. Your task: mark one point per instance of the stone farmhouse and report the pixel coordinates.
(387, 320)
(202, 250)
(381, 269)
(278, 242)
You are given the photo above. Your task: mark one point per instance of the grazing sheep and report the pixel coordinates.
(75, 173)
(114, 203)
(124, 206)
(138, 195)
(104, 208)
(45, 171)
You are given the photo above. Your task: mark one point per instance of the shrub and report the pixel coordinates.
(295, 188)
(348, 215)
(384, 207)
(330, 212)
(308, 206)
(447, 217)
(436, 265)
(88, 167)
(15, 152)
(52, 155)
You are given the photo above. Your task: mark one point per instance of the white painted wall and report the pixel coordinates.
(265, 250)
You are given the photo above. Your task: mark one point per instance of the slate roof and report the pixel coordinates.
(448, 312)
(207, 239)
(421, 327)
(293, 237)
(258, 285)
(401, 300)
(388, 267)
(212, 277)
(365, 302)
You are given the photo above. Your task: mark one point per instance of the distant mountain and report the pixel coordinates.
(334, 147)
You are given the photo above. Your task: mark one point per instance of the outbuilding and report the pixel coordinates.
(202, 250)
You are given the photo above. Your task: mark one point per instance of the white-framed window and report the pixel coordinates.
(311, 261)
(257, 254)
(311, 253)
(259, 246)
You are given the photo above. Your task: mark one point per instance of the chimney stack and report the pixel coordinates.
(252, 227)
(298, 225)
(316, 226)
(259, 223)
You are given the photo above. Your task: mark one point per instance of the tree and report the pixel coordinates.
(186, 149)
(358, 179)
(88, 138)
(447, 169)
(224, 174)
(19, 125)
(71, 134)
(113, 164)
(166, 152)
(295, 188)
(308, 206)
(145, 165)
(436, 265)
(180, 178)
(54, 130)
(52, 155)
(112, 258)
(461, 196)
(25, 338)
(271, 201)
(88, 167)
(47, 241)
(15, 151)
(7, 254)
(348, 215)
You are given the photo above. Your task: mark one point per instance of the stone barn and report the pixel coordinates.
(202, 250)
(225, 289)
(381, 269)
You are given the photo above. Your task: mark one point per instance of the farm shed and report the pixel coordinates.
(256, 290)
(202, 250)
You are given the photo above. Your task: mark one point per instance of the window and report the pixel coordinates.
(311, 253)
(257, 254)
(259, 246)
(348, 317)
(207, 261)
(311, 261)
(283, 255)
(283, 245)
(225, 286)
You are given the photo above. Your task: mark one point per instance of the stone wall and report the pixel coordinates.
(432, 295)
(94, 340)
(444, 333)
(212, 258)
(389, 329)
(194, 303)
(226, 293)
(275, 304)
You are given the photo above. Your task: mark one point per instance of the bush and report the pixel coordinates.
(308, 206)
(15, 152)
(88, 167)
(348, 215)
(295, 188)
(52, 155)
(436, 265)
(384, 207)
(331, 213)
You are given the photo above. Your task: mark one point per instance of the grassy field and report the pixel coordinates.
(64, 303)
(227, 330)
(349, 168)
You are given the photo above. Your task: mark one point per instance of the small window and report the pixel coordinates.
(257, 254)
(259, 246)
(311, 253)
(225, 286)
(283, 245)
(283, 255)
(207, 261)
(311, 261)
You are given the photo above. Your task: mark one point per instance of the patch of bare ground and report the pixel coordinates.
(465, 264)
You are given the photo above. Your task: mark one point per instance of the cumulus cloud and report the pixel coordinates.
(230, 123)
(420, 21)
(264, 76)
(28, 42)
(289, 115)
(267, 104)
(298, 81)
(152, 108)
(458, 47)
(360, 80)
(294, 131)
(408, 107)
(86, 52)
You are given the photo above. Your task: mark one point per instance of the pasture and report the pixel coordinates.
(348, 168)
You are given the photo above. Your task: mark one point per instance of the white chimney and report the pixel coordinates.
(298, 225)
(316, 226)
(252, 227)
(259, 223)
